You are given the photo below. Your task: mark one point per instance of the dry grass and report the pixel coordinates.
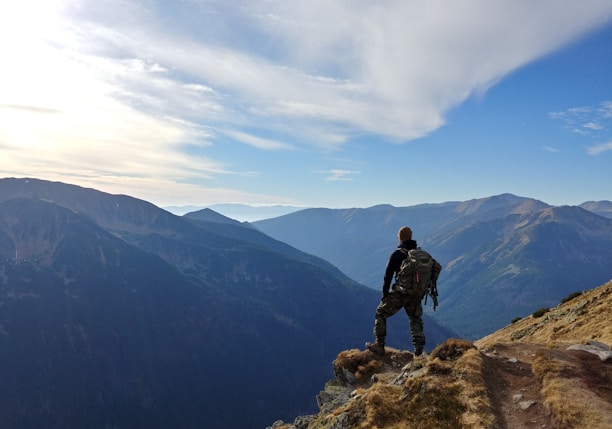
(381, 410)
(451, 349)
(567, 396)
(582, 318)
(360, 365)
(478, 408)
(448, 393)
(357, 363)
(555, 390)
(422, 403)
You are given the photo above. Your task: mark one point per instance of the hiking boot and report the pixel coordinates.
(377, 348)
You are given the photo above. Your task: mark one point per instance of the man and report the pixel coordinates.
(392, 301)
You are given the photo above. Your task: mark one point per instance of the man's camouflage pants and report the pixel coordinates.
(391, 304)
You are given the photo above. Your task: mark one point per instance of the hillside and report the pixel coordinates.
(503, 268)
(551, 369)
(359, 240)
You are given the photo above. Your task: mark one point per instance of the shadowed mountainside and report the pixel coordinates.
(116, 313)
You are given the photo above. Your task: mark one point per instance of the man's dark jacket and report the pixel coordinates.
(395, 261)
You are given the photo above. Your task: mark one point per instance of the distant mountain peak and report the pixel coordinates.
(602, 208)
(209, 215)
(505, 202)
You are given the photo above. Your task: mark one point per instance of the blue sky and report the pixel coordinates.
(310, 103)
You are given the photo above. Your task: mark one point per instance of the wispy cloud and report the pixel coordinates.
(586, 120)
(320, 61)
(606, 109)
(338, 175)
(599, 149)
(257, 142)
(593, 126)
(32, 109)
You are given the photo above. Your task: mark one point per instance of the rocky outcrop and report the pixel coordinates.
(598, 349)
(373, 391)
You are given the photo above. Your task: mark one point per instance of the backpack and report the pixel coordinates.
(418, 275)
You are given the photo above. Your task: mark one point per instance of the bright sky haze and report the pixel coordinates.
(311, 103)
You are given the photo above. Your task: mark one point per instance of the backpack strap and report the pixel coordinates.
(433, 287)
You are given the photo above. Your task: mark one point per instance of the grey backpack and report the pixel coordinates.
(418, 275)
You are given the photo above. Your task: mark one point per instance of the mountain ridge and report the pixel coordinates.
(501, 255)
(602, 208)
(542, 257)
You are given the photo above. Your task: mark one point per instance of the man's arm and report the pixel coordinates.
(393, 265)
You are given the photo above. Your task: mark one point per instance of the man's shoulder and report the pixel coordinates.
(400, 253)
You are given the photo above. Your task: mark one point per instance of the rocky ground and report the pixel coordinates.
(516, 391)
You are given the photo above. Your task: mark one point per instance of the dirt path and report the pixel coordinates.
(512, 386)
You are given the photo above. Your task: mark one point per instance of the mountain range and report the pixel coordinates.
(116, 313)
(237, 211)
(502, 255)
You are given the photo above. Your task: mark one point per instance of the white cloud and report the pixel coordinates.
(394, 68)
(593, 126)
(578, 111)
(586, 120)
(338, 175)
(599, 149)
(606, 109)
(257, 142)
(87, 132)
